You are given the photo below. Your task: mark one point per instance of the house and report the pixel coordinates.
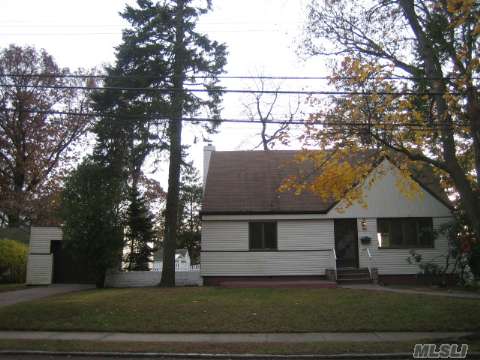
(182, 260)
(251, 231)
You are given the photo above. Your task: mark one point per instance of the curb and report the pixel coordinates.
(406, 355)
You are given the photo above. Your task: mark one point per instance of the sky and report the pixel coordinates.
(262, 37)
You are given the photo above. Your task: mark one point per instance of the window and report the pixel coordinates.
(405, 233)
(263, 235)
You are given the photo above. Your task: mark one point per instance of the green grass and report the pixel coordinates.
(242, 310)
(11, 287)
(223, 348)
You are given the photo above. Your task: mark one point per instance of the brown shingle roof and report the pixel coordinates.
(247, 182)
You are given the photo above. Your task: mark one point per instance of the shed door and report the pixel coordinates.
(346, 243)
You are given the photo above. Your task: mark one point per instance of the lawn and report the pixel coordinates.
(242, 310)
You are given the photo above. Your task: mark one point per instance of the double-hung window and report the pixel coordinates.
(263, 235)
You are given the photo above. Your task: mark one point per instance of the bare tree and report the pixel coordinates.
(264, 108)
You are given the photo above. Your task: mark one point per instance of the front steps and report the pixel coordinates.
(353, 276)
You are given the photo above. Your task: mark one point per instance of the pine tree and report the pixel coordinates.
(160, 50)
(191, 192)
(140, 233)
(163, 50)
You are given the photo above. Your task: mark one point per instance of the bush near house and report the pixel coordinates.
(13, 261)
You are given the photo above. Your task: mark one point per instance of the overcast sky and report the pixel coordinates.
(262, 37)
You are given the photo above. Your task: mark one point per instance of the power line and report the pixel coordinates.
(161, 118)
(233, 77)
(234, 91)
(122, 25)
(119, 33)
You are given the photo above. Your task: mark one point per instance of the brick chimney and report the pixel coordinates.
(207, 153)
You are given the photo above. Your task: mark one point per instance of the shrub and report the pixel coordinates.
(13, 261)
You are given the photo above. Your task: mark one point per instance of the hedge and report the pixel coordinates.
(13, 261)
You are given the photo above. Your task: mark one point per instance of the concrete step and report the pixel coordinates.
(364, 280)
(354, 275)
(352, 270)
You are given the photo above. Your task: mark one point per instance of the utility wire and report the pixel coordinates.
(161, 118)
(224, 90)
(233, 77)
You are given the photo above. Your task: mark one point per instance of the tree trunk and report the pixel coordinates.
(469, 198)
(175, 135)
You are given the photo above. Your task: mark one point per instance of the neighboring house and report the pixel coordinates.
(182, 261)
(251, 231)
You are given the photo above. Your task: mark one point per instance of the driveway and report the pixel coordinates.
(38, 292)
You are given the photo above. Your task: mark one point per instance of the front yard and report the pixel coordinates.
(241, 310)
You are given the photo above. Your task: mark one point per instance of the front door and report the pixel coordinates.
(346, 243)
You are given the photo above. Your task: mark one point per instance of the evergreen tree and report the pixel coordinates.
(140, 234)
(161, 50)
(191, 192)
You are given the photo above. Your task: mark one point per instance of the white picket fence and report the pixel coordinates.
(157, 266)
(183, 267)
(124, 279)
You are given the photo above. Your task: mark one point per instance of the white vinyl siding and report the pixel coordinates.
(39, 269)
(305, 235)
(40, 261)
(304, 248)
(385, 200)
(224, 235)
(263, 263)
(40, 238)
(394, 261)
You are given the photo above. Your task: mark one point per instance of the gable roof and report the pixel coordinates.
(158, 256)
(181, 252)
(246, 182)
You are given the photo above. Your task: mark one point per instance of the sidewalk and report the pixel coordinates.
(230, 338)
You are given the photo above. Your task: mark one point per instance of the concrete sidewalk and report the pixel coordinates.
(230, 338)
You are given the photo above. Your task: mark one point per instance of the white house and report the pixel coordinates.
(251, 231)
(182, 261)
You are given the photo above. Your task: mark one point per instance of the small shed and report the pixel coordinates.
(48, 262)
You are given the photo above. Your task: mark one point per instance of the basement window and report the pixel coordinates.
(405, 233)
(263, 235)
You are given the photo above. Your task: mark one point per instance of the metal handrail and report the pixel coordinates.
(334, 254)
(371, 262)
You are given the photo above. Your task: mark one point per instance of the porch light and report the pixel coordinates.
(363, 224)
